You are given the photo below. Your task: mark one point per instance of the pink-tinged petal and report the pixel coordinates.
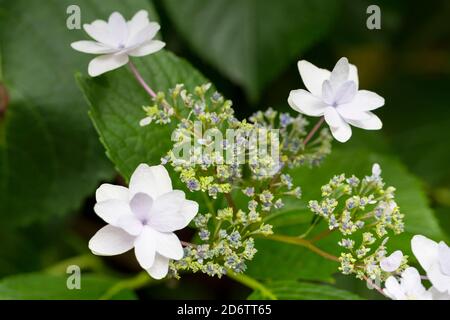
(130, 224)
(144, 247)
(92, 47)
(166, 213)
(369, 122)
(340, 72)
(393, 262)
(340, 129)
(438, 279)
(99, 31)
(153, 181)
(146, 49)
(140, 205)
(110, 191)
(110, 241)
(138, 22)
(118, 28)
(304, 102)
(313, 77)
(144, 35)
(365, 101)
(106, 63)
(112, 210)
(160, 267)
(168, 245)
(425, 250)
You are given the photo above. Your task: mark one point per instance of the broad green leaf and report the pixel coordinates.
(50, 158)
(293, 290)
(116, 101)
(37, 286)
(251, 41)
(418, 123)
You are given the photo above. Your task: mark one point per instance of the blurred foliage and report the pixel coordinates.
(51, 161)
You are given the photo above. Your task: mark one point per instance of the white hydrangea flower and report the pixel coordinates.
(393, 262)
(144, 217)
(435, 260)
(408, 288)
(335, 96)
(117, 39)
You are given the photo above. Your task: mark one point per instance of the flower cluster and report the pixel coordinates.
(216, 154)
(229, 247)
(363, 211)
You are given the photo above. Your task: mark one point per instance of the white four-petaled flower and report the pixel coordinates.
(435, 260)
(144, 217)
(335, 96)
(117, 39)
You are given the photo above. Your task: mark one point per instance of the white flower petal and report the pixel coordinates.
(144, 247)
(137, 23)
(444, 257)
(144, 35)
(353, 75)
(106, 63)
(189, 210)
(160, 267)
(352, 114)
(99, 31)
(93, 47)
(148, 48)
(110, 241)
(437, 295)
(345, 93)
(411, 282)
(340, 129)
(304, 102)
(393, 289)
(313, 77)
(425, 250)
(438, 279)
(168, 245)
(166, 213)
(118, 27)
(112, 210)
(108, 191)
(141, 205)
(393, 262)
(340, 72)
(365, 100)
(154, 181)
(368, 122)
(130, 224)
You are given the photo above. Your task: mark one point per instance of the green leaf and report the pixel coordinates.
(116, 101)
(251, 41)
(293, 290)
(50, 158)
(36, 286)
